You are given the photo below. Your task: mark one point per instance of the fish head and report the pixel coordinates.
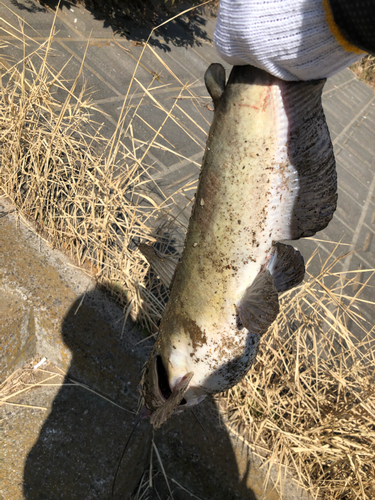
(166, 391)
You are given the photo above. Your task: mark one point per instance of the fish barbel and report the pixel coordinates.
(268, 175)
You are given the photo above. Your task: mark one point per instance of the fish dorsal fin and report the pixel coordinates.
(167, 409)
(259, 305)
(310, 152)
(286, 266)
(309, 202)
(164, 266)
(214, 79)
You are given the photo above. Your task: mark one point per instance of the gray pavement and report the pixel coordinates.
(108, 65)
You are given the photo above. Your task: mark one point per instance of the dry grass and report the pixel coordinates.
(308, 403)
(364, 70)
(91, 196)
(36, 375)
(154, 476)
(24, 380)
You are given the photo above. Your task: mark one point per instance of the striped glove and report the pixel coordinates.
(295, 39)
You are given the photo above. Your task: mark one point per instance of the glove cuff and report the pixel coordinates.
(291, 39)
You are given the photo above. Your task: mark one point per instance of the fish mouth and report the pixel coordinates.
(162, 381)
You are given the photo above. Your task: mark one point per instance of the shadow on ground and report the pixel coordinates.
(134, 19)
(29, 6)
(81, 440)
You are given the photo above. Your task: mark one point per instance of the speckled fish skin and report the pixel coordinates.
(268, 175)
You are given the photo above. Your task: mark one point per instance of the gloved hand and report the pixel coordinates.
(295, 39)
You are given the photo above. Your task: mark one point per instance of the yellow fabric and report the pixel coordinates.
(349, 47)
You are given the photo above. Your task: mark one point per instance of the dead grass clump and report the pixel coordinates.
(53, 174)
(308, 403)
(364, 69)
(89, 195)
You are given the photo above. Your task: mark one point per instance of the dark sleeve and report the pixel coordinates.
(356, 21)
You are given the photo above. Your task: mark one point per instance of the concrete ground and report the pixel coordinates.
(63, 437)
(45, 462)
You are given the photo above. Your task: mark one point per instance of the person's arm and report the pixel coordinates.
(295, 39)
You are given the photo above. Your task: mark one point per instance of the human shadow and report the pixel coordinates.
(197, 452)
(135, 19)
(81, 440)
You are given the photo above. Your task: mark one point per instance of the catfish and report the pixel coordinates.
(268, 175)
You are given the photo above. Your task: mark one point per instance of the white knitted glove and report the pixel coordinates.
(291, 39)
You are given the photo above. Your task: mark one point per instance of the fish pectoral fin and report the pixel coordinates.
(286, 266)
(214, 78)
(163, 266)
(259, 305)
(168, 408)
